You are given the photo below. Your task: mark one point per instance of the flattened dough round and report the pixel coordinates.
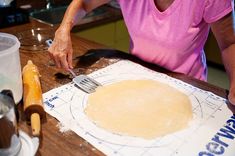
(142, 108)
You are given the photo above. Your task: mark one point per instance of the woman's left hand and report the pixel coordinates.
(231, 95)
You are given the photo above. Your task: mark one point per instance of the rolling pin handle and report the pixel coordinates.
(35, 124)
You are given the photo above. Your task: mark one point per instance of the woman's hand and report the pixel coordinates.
(231, 96)
(61, 50)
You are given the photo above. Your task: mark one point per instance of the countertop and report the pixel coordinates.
(53, 142)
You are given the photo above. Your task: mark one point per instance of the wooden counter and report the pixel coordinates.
(53, 142)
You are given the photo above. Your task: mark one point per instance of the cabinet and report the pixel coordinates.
(114, 35)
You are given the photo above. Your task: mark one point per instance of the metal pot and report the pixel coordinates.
(9, 137)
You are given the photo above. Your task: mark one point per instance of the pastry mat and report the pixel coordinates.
(211, 131)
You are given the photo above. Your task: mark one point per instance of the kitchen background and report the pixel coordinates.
(111, 33)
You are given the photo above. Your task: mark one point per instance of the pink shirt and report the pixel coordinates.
(174, 38)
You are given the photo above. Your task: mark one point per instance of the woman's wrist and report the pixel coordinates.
(64, 28)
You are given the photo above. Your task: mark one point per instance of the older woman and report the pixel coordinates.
(169, 33)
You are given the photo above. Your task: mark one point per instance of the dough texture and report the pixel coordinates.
(139, 108)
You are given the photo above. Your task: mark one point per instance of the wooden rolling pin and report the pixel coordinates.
(33, 103)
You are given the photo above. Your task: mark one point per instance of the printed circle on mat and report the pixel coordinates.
(102, 134)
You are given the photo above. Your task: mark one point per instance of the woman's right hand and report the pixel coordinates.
(61, 50)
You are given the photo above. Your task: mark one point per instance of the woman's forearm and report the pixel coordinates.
(228, 57)
(74, 12)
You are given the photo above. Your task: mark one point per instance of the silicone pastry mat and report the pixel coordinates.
(211, 132)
